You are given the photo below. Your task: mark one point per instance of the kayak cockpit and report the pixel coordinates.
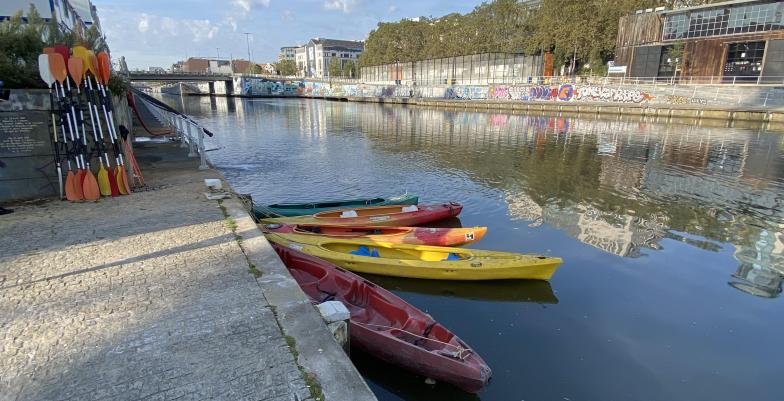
(401, 253)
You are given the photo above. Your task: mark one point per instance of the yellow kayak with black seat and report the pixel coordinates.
(421, 261)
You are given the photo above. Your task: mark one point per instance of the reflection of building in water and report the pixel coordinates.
(761, 269)
(617, 184)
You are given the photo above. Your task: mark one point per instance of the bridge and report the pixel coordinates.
(178, 76)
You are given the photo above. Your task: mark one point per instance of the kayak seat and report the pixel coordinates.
(363, 250)
(349, 213)
(453, 256)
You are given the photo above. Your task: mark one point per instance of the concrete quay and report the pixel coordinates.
(159, 295)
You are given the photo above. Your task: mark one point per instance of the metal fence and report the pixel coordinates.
(475, 69)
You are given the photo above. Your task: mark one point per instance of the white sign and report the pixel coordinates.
(616, 69)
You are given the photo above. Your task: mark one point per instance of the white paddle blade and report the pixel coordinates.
(43, 69)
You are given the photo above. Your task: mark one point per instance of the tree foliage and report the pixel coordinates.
(22, 41)
(286, 67)
(349, 69)
(335, 69)
(584, 30)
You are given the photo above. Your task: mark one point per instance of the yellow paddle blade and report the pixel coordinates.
(118, 178)
(81, 53)
(103, 182)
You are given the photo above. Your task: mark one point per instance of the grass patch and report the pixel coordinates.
(232, 225)
(310, 379)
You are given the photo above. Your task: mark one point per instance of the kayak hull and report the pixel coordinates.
(386, 216)
(395, 235)
(308, 208)
(388, 327)
(421, 261)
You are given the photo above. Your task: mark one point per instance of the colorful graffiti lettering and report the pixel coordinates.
(466, 92)
(566, 92)
(673, 99)
(499, 92)
(604, 94)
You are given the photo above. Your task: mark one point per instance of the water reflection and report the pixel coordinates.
(498, 291)
(619, 184)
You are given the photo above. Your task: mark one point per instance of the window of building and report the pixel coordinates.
(744, 61)
(726, 20)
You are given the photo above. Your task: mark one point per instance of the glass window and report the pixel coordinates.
(724, 20)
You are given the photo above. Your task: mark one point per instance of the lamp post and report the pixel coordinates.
(247, 40)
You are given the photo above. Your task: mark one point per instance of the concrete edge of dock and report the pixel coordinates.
(315, 349)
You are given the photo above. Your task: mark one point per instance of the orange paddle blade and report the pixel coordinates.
(90, 187)
(48, 50)
(96, 66)
(105, 66)
(57, 67)
(70, 188)
(118, 177)
(103, 181)
(76, 69)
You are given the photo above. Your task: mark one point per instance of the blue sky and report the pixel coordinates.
(160, 32)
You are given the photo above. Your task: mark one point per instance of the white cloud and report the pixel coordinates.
(341, 5)
(144, 23)
(392, 9)
(247, 5)
(287, 15)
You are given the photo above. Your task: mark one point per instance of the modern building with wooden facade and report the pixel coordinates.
(734, 41)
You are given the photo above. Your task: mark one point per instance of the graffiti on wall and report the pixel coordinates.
(673, 99)
(605, 94)
(466, 92)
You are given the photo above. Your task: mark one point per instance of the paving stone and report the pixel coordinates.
(140, 297)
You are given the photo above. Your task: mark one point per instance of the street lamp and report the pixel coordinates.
(247, 40)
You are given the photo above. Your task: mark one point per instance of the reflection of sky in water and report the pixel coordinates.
(653, 222)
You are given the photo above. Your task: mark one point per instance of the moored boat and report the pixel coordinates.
(308, 208)
(395, 235)
(388, 216)
(388, 327)
(421, 261)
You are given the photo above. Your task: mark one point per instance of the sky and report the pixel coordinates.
(160, 32)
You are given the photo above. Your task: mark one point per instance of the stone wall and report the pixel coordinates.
(27, 167)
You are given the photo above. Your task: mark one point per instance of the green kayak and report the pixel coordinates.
(302, 209)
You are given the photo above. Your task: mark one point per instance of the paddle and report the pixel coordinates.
(112, 174)
(104, 71)
(60, 74)
(89, 183)
(46, 76)
(106, 186)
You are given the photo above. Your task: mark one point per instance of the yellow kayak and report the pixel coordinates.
(420, 261)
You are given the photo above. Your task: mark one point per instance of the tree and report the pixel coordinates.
(255, 69)
(286, 67)
(349, 69)
(335, 68)
(20, 45)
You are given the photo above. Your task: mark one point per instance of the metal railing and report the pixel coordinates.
(589, 79)
(191, 134)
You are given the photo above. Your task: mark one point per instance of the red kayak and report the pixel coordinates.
(388, 327)
(388, 216)
(395, 235)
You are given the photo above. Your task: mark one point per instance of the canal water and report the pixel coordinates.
(672, 237)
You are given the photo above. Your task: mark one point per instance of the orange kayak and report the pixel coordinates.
(388, 216)
(395, 235)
